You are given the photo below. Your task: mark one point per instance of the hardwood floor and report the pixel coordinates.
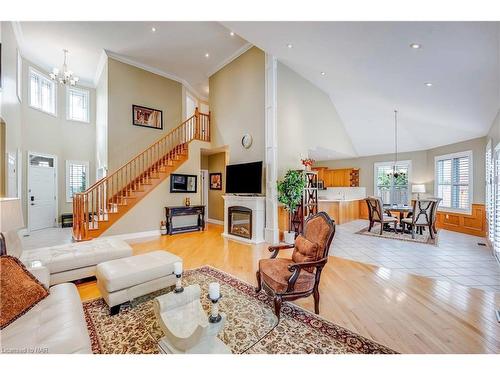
(408, 313)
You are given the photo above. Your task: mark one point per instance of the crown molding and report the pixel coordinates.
(160, 72)
(231, 58)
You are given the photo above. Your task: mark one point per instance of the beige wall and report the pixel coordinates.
(216, 164)
(148, 213)
(237, 106)
(366, 167)
(307, 119)
(422, 166)
(128, 85)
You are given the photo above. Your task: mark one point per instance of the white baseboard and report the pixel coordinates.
(214, 221)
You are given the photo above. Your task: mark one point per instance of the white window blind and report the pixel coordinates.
(77, 175)
(490, 198)
(453, 181)
(496, 192)
(77, 104)
(42, 92)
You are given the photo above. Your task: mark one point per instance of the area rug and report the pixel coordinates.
(420, 238)
(251, 326)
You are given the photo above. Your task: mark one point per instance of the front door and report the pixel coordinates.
(42, 194)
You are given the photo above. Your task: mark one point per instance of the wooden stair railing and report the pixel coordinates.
(99, 206)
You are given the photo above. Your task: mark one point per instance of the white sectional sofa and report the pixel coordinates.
(72, 261)
(54, 325)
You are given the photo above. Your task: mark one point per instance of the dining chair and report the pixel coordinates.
(422, 216)
(376, 214)
(434, 212)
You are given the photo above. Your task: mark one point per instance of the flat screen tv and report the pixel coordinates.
(244, 178)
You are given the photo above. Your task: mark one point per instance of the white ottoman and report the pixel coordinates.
(122, 280)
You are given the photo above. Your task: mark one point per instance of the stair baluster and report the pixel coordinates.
(103, 203)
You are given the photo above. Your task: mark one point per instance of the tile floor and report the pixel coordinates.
(457, 258)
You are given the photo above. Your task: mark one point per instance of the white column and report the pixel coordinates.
(272, 230)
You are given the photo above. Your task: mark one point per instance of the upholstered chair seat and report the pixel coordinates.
(298, 276)
(275, 274)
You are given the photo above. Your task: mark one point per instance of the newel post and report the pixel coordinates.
(197, 117)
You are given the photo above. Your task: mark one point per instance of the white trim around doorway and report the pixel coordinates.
(56, 210)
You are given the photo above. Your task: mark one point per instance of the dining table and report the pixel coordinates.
(402, 210)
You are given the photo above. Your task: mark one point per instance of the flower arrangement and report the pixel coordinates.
(307, 163)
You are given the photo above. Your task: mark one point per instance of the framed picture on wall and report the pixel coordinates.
(215, 181)
(147, 117)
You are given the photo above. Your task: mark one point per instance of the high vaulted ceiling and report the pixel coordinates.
(369, 67)
(175, 48)
(370, 70)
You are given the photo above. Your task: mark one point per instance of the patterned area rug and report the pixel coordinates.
(420, 238)
(251, 326)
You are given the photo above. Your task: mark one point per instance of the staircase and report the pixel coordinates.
(105, 202)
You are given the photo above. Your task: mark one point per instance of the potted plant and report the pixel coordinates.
(290, 191)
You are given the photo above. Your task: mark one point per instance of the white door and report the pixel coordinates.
(42, 193)
(204, 191)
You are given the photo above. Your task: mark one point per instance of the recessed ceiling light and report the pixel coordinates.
(323, 73)
(428, 84)
(153, 29)
(415, 45)
(289, 45)
(231, 33)
(207, 55)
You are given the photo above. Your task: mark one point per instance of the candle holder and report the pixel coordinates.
(178, 284)
(215, 317)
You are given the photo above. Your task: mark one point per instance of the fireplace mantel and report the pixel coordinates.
(258, 206)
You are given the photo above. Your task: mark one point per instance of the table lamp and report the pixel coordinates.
(11, 218)
(418, 188)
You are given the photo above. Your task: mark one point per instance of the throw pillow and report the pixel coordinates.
(19, 290)
(305, 251)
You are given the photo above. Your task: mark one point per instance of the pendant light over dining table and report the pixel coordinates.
(395, 173)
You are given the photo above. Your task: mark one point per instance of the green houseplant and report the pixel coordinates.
(290, 191)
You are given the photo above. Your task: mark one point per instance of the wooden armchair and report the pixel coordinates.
(376, 214)
(290, 279)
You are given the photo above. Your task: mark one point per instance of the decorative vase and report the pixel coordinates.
(308, 168)
(163, 228)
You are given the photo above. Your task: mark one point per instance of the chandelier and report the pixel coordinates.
(64, 76)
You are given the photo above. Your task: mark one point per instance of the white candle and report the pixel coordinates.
(214, 291)
(178, 268)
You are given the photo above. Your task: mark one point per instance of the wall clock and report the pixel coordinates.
(246, 141)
